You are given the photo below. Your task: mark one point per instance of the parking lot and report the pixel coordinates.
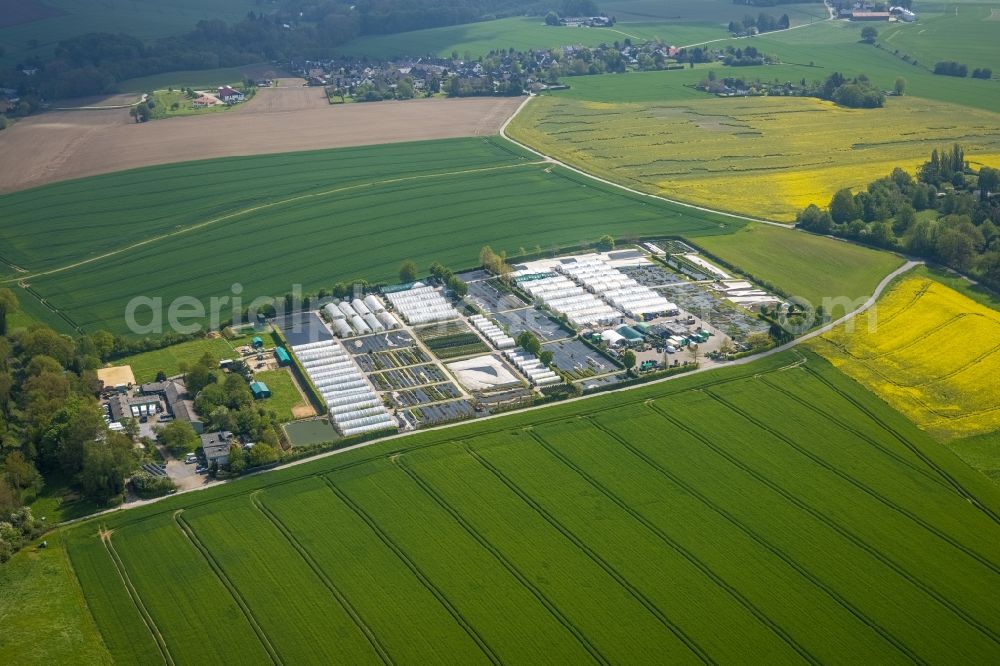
(578, 360)
(535, 321)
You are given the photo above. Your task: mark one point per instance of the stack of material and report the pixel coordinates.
(421, 304)
(565, 297)
(532, 368)
(354, 406)
(493, 333)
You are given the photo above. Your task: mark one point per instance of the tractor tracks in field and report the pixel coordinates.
(261, 207)
(341, 598)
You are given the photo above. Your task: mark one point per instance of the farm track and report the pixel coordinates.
(535, 591)
(789, 560)
(664, 538)
(863, 487)
(133, 594)
(220, 573)
(341, 598)
(636, 594)
(452, 610)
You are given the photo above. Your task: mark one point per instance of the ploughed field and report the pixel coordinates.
(774, 513)
(61, 145)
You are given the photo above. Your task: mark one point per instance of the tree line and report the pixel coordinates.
(948, 214)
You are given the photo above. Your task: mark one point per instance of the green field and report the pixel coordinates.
(146, 365)
(145, 19)
(43, 614)
(310, 218)
(205, 78)
(802, 264)
(717, 13)
(963, 32)
(284, 394)
(779, 499)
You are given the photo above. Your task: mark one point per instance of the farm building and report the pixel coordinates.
(282, 355)
(257, 342)
(125, 406)
(532, 368)
(869, 16)
(615, 288)
(216, 447)
(566, 297)
(631, 335)
(613, 338)
(259, 390)
(230, 95)
(493, 333)
(174, 394)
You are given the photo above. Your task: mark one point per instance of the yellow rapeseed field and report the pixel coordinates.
(762, 156)
(930, 352)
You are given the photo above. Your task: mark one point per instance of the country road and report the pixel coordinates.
(861, 309)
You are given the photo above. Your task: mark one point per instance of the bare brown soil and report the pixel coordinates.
(60, 145)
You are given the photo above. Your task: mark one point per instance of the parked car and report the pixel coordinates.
(201, 469)
(671, 349)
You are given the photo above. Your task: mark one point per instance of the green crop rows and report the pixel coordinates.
(333, 215)
(770, 513)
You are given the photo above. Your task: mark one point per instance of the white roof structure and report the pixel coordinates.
(375, 305)
(493, 333)
(422, 304)
(354, 406)
(387, 320)
(565, 297)
(612, 337)
(532, 368)
(714, 270)
(616, 288)
(333, 312)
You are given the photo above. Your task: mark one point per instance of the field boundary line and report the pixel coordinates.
(840, 599)
(853, 538)
(863, 487)
(969, 497)
(188, 531)
(860, 435)
(341, 598)
(759, 614)
(147, 618)
(603, 564)
(507, 564)
(414, 569)
(253, 209)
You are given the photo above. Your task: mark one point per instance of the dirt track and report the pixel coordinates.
(60, 145)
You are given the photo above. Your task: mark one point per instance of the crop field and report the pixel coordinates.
(965, 33)
(336, 215)
(451, 340)
(813, 268)
(716, 13)
(765, 156)
(780, 496)
(931, 353)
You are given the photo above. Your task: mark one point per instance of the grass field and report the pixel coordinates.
(336, 215)
(146, 19)
(146, 365)
(204, 78)
(602, 531)
(931, 353)
(285, 397)
(965, 33)
(810, 267)
(676, 22)
(43, 613)
(768, 157)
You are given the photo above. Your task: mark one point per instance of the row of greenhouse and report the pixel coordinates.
(353, 405)
(532, 368)
(359, 317)
(616, 288)
(493, 333)
(564, 296)
(421, 304)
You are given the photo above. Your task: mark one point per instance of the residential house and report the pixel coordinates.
(216, 447)
(174, 394)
